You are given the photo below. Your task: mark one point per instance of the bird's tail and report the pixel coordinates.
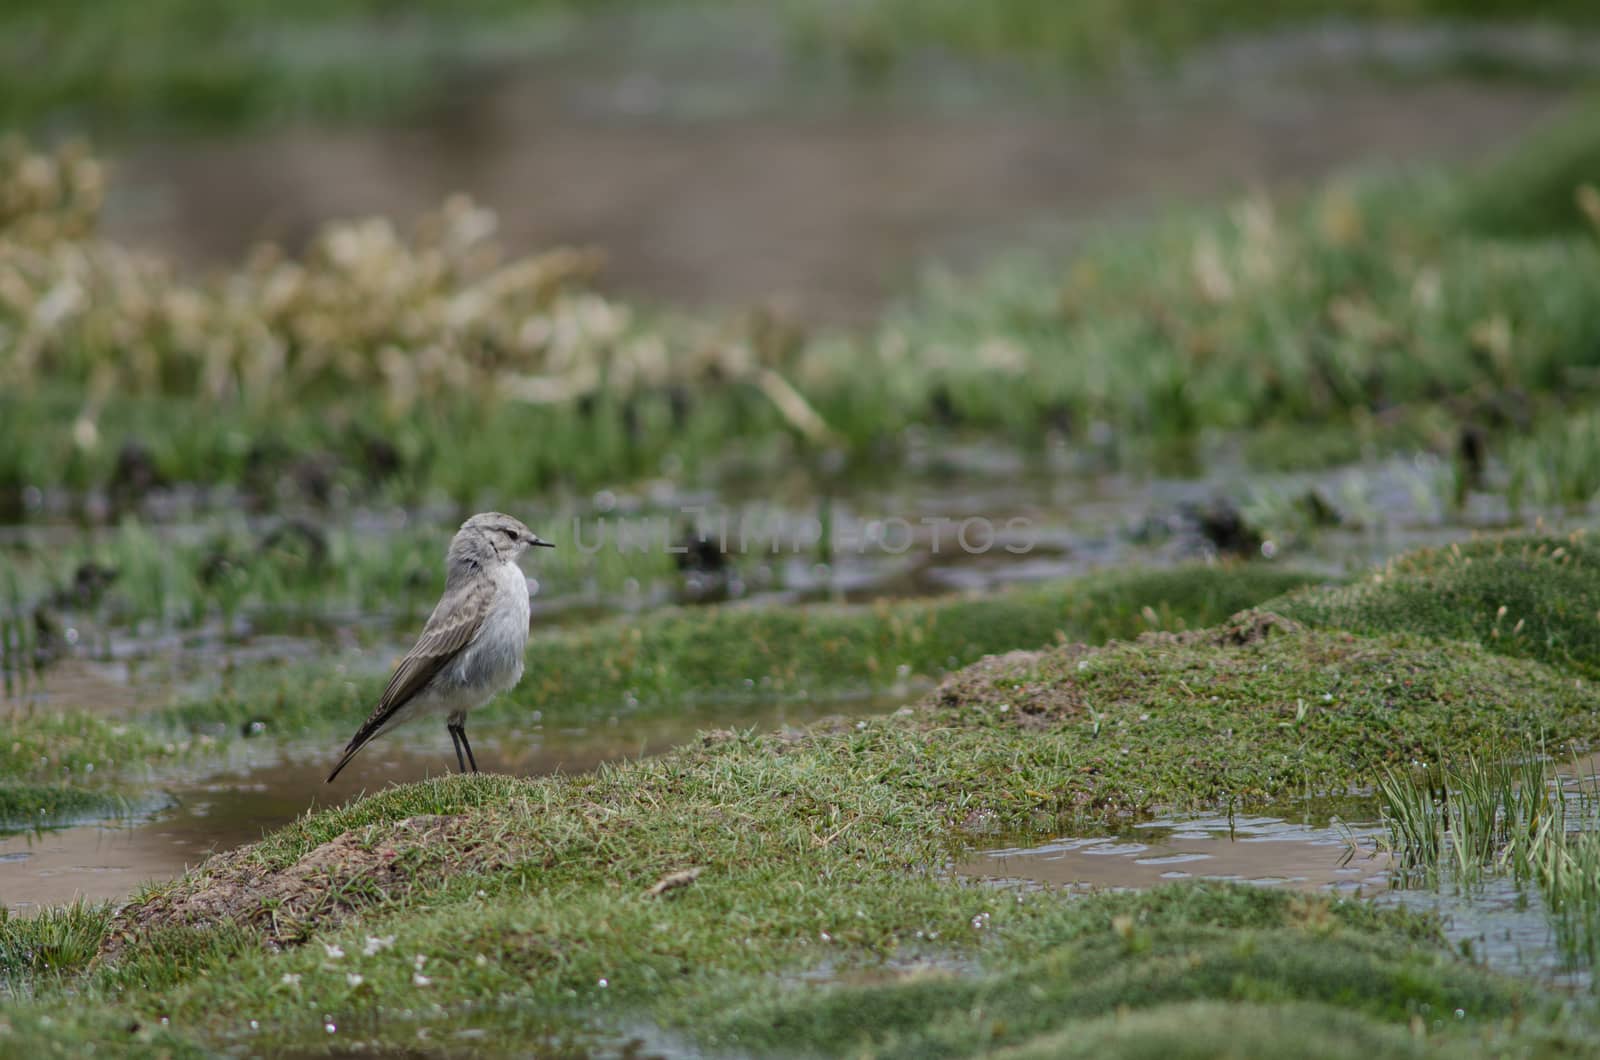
(357, 742)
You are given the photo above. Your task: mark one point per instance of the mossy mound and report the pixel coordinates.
(1261, 708)
(1533, 597)
(1355, 979)
(1205, 1030)
(737, 652)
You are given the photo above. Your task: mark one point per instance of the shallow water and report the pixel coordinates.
(278, 783)
(1266, 851)
(1492, 920)
(991, 517)
(1497, 924)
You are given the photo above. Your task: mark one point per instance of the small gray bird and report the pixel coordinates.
(472, 647)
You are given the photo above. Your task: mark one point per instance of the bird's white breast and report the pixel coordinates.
(496, 653)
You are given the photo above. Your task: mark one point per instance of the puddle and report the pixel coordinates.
(1491, 920)
(1493, 923)
(1506, 929)
(110, 860)
(1265, 851)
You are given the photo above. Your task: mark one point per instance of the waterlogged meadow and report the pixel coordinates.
(591, 908)
(1143, 553)
(1460, 823)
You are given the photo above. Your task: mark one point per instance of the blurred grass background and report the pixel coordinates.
(110, 65)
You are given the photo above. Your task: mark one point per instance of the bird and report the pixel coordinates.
(472, 647)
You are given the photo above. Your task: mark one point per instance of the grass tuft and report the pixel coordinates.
(51, 944)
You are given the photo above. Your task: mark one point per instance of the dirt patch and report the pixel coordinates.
(1239, 631)
(1027, 685)
(357, 869)
(1253, 627)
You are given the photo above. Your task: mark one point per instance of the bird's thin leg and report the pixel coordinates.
(456, 736)
(462, 732)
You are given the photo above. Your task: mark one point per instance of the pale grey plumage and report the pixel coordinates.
(472, 646)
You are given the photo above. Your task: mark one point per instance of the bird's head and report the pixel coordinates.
(493, 534)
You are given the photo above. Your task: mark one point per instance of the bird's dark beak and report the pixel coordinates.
(540, 542)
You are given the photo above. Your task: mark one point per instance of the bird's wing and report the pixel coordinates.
(452, 626)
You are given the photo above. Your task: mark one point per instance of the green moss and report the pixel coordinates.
(1298, 713)
(1202, 1030)
(1137, 968)
(1535, 597)
(1127, 953)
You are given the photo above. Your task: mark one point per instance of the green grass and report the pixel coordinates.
(1103, 35)
(1277, 319)
(28, 806)
(1461, 821)
(1557, 464)
(452, 444)
(1533, 190)
(1534, 597)
(1262, 317)
(49, 944)
(185, 63)
(670, 660)
(1241, 1030)
(1157, 969)
(1567, 868)
(733, 653)
(1286, 319)
(655, 665)
(84, 750)
(522, 905)
(288, 575)
(1469, 818)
